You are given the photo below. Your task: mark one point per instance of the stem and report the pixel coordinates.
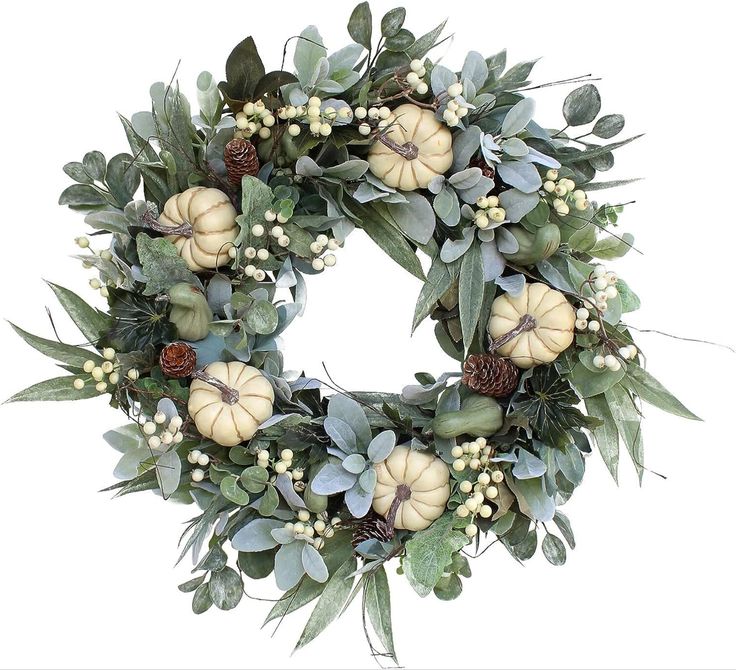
(184, 229)
(408, 151)
(527, 323)
(403, 492)
(229, 395)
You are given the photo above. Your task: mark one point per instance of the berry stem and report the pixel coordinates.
(229, 395)
(527, 323)
(185, 229)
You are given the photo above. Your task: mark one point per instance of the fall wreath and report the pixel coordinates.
(203, 237)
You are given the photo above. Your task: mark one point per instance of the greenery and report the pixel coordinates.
(510, 209)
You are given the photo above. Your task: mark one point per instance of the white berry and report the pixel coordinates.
(197, 475)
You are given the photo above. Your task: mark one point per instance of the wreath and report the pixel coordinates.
(204, 235)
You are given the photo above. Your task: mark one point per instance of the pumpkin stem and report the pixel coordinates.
(403, 492)
(184, 230)
(229, 395)
(527, 323)
(408, 151)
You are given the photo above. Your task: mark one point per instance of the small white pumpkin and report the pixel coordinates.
(552, 333)
(212, 217)
(427, 479)
(230, 423)
(412, 125)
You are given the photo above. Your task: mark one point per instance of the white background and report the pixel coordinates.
(87, 582)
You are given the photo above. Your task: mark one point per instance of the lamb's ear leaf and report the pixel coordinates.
(59, 388)
(91, 322)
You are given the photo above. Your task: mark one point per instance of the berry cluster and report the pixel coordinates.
(313, 531)
(613, 363)
(160, 435)
(415, 78)
(371, 116)
(603, 285)
(565, 192)
(104, 254)
(255, 117)
(483, 489)
(456, 108)
(475, 455)
(104, 374)
(488, 214)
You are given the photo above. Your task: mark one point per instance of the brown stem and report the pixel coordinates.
(185, 229)
(229, 395)
(403, 492)
(408, 151)
(527, 323)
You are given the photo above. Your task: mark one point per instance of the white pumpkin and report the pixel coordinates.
(212, 217)
(433, 140)
(228, 423)
(552, 333)
(427, 479)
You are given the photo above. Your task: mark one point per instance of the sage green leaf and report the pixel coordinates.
(226, 588)
(243, 70)
(378, 605)
(123, 178)
(256, 199)
(589, 383)
(415, 217)
(65, 353)
(525, 549)
(258, 564)
(450, 587)
(81, 195)
(192, 584)
(587, 154)
(608, 126)
(422, 46)
(313, 563)
(563, 523)
(610, 247)
(57, 389)
(360, 25)
(168, 472)
(392, 22)
(272, 82)
(230, 489)
(330, 604)
(202, 600)
(161, 263)
(269, 502)
(90, 321)
(77, 172)
(299, 240)
(262, 317)
(254, 479)
(470, 292)
(651, 391)
(339, 551)
(628, 420)
(606, 436)
(533, 499)
(429, 551)
(436, 285)
(94, 164)
(554, 550)
(582, 105)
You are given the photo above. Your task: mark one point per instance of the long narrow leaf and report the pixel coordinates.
(58, 388)
(90, 321)
(64, 353)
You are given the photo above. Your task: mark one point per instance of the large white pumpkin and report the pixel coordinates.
(433, 140)
(428, 479)
(225, 423)
(554, 330)
(212, 217)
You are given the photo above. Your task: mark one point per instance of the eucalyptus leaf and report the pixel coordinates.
(582, 105)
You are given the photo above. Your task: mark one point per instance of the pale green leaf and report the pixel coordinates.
(90, 321)
(378, 605)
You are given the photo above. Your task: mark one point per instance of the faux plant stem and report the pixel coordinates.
(184, 229)
(403, 493)
(229, 395)
(527, 323)
(408, 151)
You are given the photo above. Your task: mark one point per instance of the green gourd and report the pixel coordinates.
(534, 247)
(190, 312)
(315, 502)
(479, 416)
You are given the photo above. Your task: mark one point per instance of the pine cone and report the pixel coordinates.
(178, 360)
(372, 527)
(241, 158)
(486, 169)
(490, 375)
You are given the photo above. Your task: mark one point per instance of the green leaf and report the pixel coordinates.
(470, 292)
(59, 388)
(651, 391)
(94, 165)
(202, 600)
(299, 240)
(269, 502)
(437, 284)
(563, 523)
(272, 82)
(360, 25)
(257, 564)
(582, 105)
(589, 383)
(450, 587)
(628, 420)
(256, 199)
(262, 317)
(610, 247)
(162, 265)
(606, 436)
(533, 498)
(587, 154)
(378, 604)
(81, 195)
(230, 489)
(554, 550)
(254, 479)
(226, 588)
(192, 584)
(65, 353)
(392, 22)
(77, 172)
(429, 551)
(243, 70)
(90, 321)
(421, 47)
(608, 126)
(330, 604)
(123, 178)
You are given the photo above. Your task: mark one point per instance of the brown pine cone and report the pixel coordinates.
(370, 527)
(241, 158)
(178, 360)
(490, 375)
(486, 169)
